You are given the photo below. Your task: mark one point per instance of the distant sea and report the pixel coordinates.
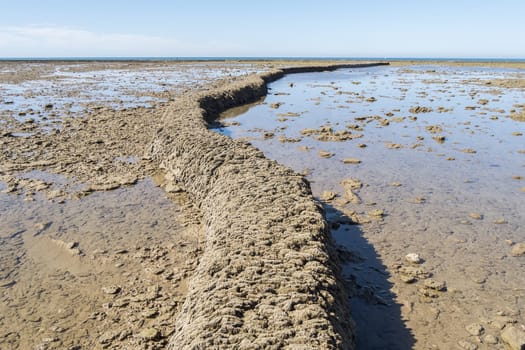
(182, 59)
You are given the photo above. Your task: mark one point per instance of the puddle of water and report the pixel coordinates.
(69, 272)
(68, 89)
(447, 180)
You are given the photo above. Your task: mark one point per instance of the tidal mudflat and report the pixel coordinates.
(421, 170)
(95, 249)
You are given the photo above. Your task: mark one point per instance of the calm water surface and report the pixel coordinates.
(457, 200)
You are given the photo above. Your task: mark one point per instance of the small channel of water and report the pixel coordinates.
(439, 157)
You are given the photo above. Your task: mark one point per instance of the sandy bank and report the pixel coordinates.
(267, 277)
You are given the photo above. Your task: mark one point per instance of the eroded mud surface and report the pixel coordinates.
(94, 255)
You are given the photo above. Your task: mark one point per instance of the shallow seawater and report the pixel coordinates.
(57, 258)
(449, 180)
(73, 88)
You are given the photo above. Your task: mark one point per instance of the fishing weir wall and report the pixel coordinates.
(267, 277)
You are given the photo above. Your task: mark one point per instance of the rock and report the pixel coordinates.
(429, 293)
(413, 271)
(490, 339)
(500, 221)
(475, 329)
(111, 289)
(276, 105)
(419, 200)
(396, 184)
(435, 285)
(351, 161)
(407, 278)
(518, 249)
(149, 334)
(328, 196)
(439, 138)
(420, 109)
(324, 154)
(434, 129)
(103, 187)
(351, 184)
(476, 216)
(48, 106)
(379, 213)
(413, 258)
(514, 338)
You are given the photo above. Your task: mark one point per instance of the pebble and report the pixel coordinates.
(324, 154)
(420, 200)
(490, 339)
(518, 249)
(351, 161)
(328, 196)
(414, 272)
(475, 329)
(413, 258)
(111, 289)
(407, 278)
(149, 334)
(514, 338)
(435, 285)
(476, 216)
(377, 213)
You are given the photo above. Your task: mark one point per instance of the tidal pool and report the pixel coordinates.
(440, 167)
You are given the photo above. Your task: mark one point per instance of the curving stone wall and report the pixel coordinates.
(266, 279)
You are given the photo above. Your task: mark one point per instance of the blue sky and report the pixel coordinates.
(373, 28)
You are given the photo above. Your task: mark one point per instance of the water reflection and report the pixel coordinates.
(437, 153)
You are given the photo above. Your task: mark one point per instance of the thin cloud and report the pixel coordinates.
(54, 41)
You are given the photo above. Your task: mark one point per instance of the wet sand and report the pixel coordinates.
(89, 235)
(93, 254)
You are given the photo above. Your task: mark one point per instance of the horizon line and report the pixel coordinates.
(269, 58)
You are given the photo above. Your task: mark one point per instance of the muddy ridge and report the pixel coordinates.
(267, 277)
